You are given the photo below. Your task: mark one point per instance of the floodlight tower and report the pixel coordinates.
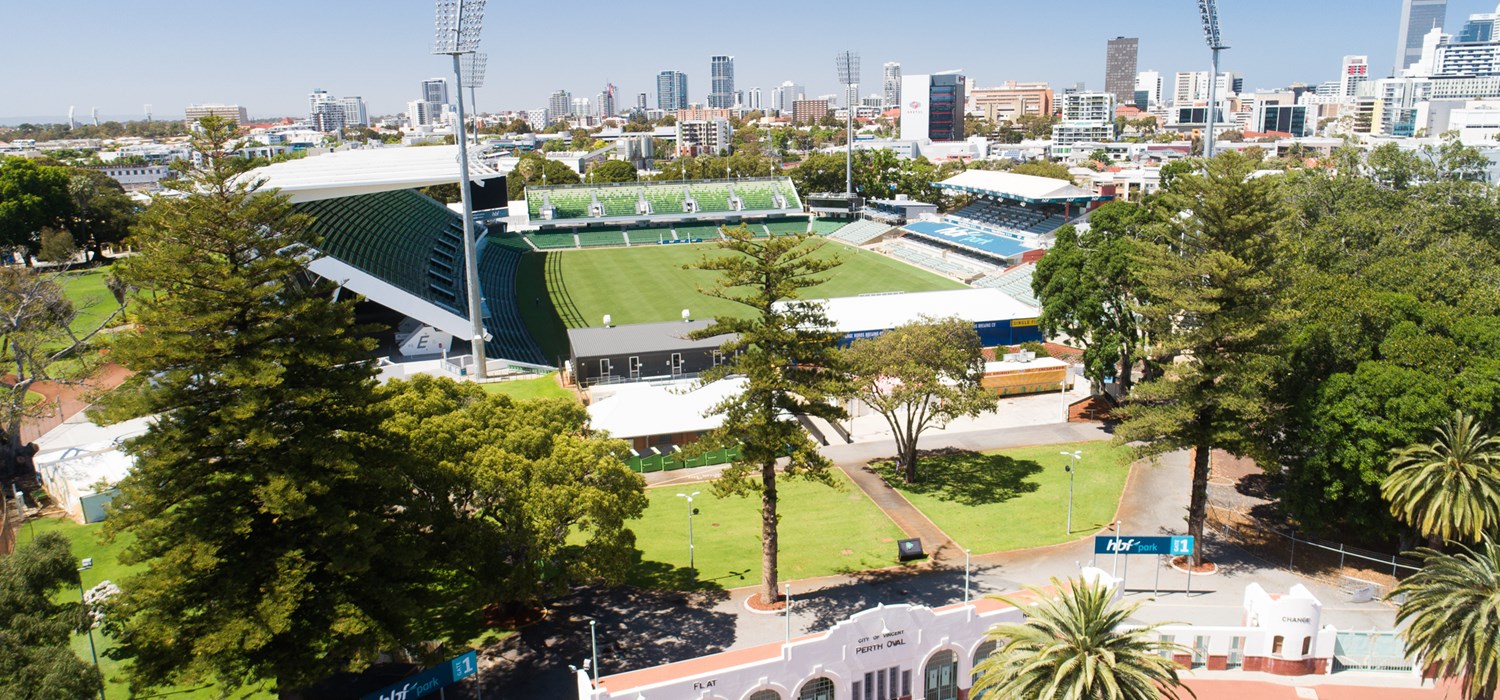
(472, 74)
(458, 25)
(848, 63)
(1210, 12)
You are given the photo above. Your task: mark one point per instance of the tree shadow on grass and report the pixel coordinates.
(962, 476)
(661, 576)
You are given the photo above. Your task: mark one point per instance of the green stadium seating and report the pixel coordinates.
(402, 237)
(711, 198)
(550, 241)
(782, 228)
(709, 232)
(618, 202)
(593, 239)
(509, 338)
(756, 196)
(646, 236)
(665, 199)
(823, 227)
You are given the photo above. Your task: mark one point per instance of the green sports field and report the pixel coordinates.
(558, 290)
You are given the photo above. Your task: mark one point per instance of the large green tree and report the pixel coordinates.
(537, 503)
(1448, 489)
(1089, 289)
(1393, 294)
(920, 375)
(1450, 616)
(276, 537)
(32, 196)
(1075, 645)
(613, 171)
(786, 352)
(100, 212)
(1210, 276)
(36, 661)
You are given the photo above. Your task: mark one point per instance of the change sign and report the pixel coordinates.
(429, 681)
(1176, 546)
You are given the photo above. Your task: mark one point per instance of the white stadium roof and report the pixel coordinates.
(881, 312)
(367, 171)
(1028, 187)
(639, 410)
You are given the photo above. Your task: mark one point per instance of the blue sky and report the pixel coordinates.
(267, 55)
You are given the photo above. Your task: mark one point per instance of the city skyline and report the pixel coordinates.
(1272, 48)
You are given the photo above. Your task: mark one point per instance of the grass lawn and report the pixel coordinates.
(107, 567)
(542, 387)
(642, 284)
(91, 298)
(823, 531)
(1017, 498)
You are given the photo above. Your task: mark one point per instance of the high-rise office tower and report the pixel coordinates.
(891, 84)
(560, 104)
(640, 100)
(1417, 18)
(435, 90)
(933, 107)
(606, 101)
(671, 91)
(1119, 69)
(752, 98)
(721, 82)
(1148, 87)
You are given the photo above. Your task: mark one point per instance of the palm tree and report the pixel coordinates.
(1452, 614)
(1072, 646)
(1448, 489)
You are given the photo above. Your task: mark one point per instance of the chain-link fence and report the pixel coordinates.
(1361, 573)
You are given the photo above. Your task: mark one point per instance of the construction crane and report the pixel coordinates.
(1210, 12)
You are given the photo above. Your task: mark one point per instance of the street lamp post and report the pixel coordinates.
(459, 23)
(691, 561)
(1072, 468)
(967, 553)
(89, 622)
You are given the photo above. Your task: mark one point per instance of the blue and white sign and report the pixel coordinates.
(429, 681)
(1176, 546)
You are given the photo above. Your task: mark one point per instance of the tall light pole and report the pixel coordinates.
(848, 63)
(83, 566)
(458, 26)
(1072, 467)
(472, 67)
(1210, 13)
(689, 497)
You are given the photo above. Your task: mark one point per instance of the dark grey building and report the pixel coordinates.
(1119, 69)
(641, 351)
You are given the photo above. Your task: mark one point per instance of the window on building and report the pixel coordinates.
(940, 677)
(980, 654)
(906, 684)
(604, 368)
(765, 695)
(1276, 644)
(1306, 645)
(635, 367)
(817, 689)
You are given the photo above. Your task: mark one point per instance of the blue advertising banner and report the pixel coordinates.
(1176, 546)
(429, 681)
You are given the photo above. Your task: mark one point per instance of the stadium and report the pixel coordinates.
(568, 256)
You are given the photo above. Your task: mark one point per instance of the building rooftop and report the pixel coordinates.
(639, 410)
(1026, 188)
(886, 311)
(640, 338)
(367, 171)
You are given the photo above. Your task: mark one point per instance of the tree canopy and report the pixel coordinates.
(276, 539)
(786, 352)
(36, 661)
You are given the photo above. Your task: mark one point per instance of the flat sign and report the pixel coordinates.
(1176, 546)
(429, 681)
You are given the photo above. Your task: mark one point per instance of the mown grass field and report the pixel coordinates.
(543, 387)
(823, 531)
(1017, 498)
(559, 290)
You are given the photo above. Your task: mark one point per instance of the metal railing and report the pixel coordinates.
(1362, 574)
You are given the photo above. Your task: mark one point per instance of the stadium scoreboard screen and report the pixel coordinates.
(837, 203)
(489, 193)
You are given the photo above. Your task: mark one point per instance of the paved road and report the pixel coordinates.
(639, 628)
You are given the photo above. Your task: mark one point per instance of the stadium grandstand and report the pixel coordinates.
(653, 213)
(1010, 215)
(572, 206)
(402, 251)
